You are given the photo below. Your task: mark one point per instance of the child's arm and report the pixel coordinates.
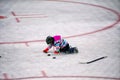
(47, 49)
(57, 48)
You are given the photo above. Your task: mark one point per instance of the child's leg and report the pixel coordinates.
(65, 49)
(69, 50)
(73, 50)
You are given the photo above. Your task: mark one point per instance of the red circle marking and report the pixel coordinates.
(2, 17)
(102, 29)
(83, 34)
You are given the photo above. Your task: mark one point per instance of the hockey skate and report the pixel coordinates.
(73, 50)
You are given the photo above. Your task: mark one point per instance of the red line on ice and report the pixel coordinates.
(5, 76)
(17, 19)
(44, 74)
(47, 77)
(29, 14)
(2, 17)
(34, 17)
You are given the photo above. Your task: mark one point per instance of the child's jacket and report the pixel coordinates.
(59, 43)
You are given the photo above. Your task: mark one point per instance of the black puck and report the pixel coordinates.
(48, 55)
(0, 56)
(54, 57)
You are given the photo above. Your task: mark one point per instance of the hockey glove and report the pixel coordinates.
(45, 50)
(56, 52)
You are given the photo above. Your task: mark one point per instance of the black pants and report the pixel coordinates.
(65, 49)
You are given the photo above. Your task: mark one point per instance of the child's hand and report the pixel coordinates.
(56, 52)
(45, 50)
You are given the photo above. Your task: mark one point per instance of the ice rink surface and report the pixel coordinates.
(91, 25)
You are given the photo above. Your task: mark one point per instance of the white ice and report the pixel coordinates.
(91, 25)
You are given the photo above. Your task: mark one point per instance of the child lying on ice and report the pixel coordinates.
(61, 45)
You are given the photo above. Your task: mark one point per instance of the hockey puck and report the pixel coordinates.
(54, 57)
(0, 56)
(48, 55)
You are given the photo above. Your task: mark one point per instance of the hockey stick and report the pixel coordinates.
(93, 60)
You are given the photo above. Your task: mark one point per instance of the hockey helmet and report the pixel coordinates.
(49, 40)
